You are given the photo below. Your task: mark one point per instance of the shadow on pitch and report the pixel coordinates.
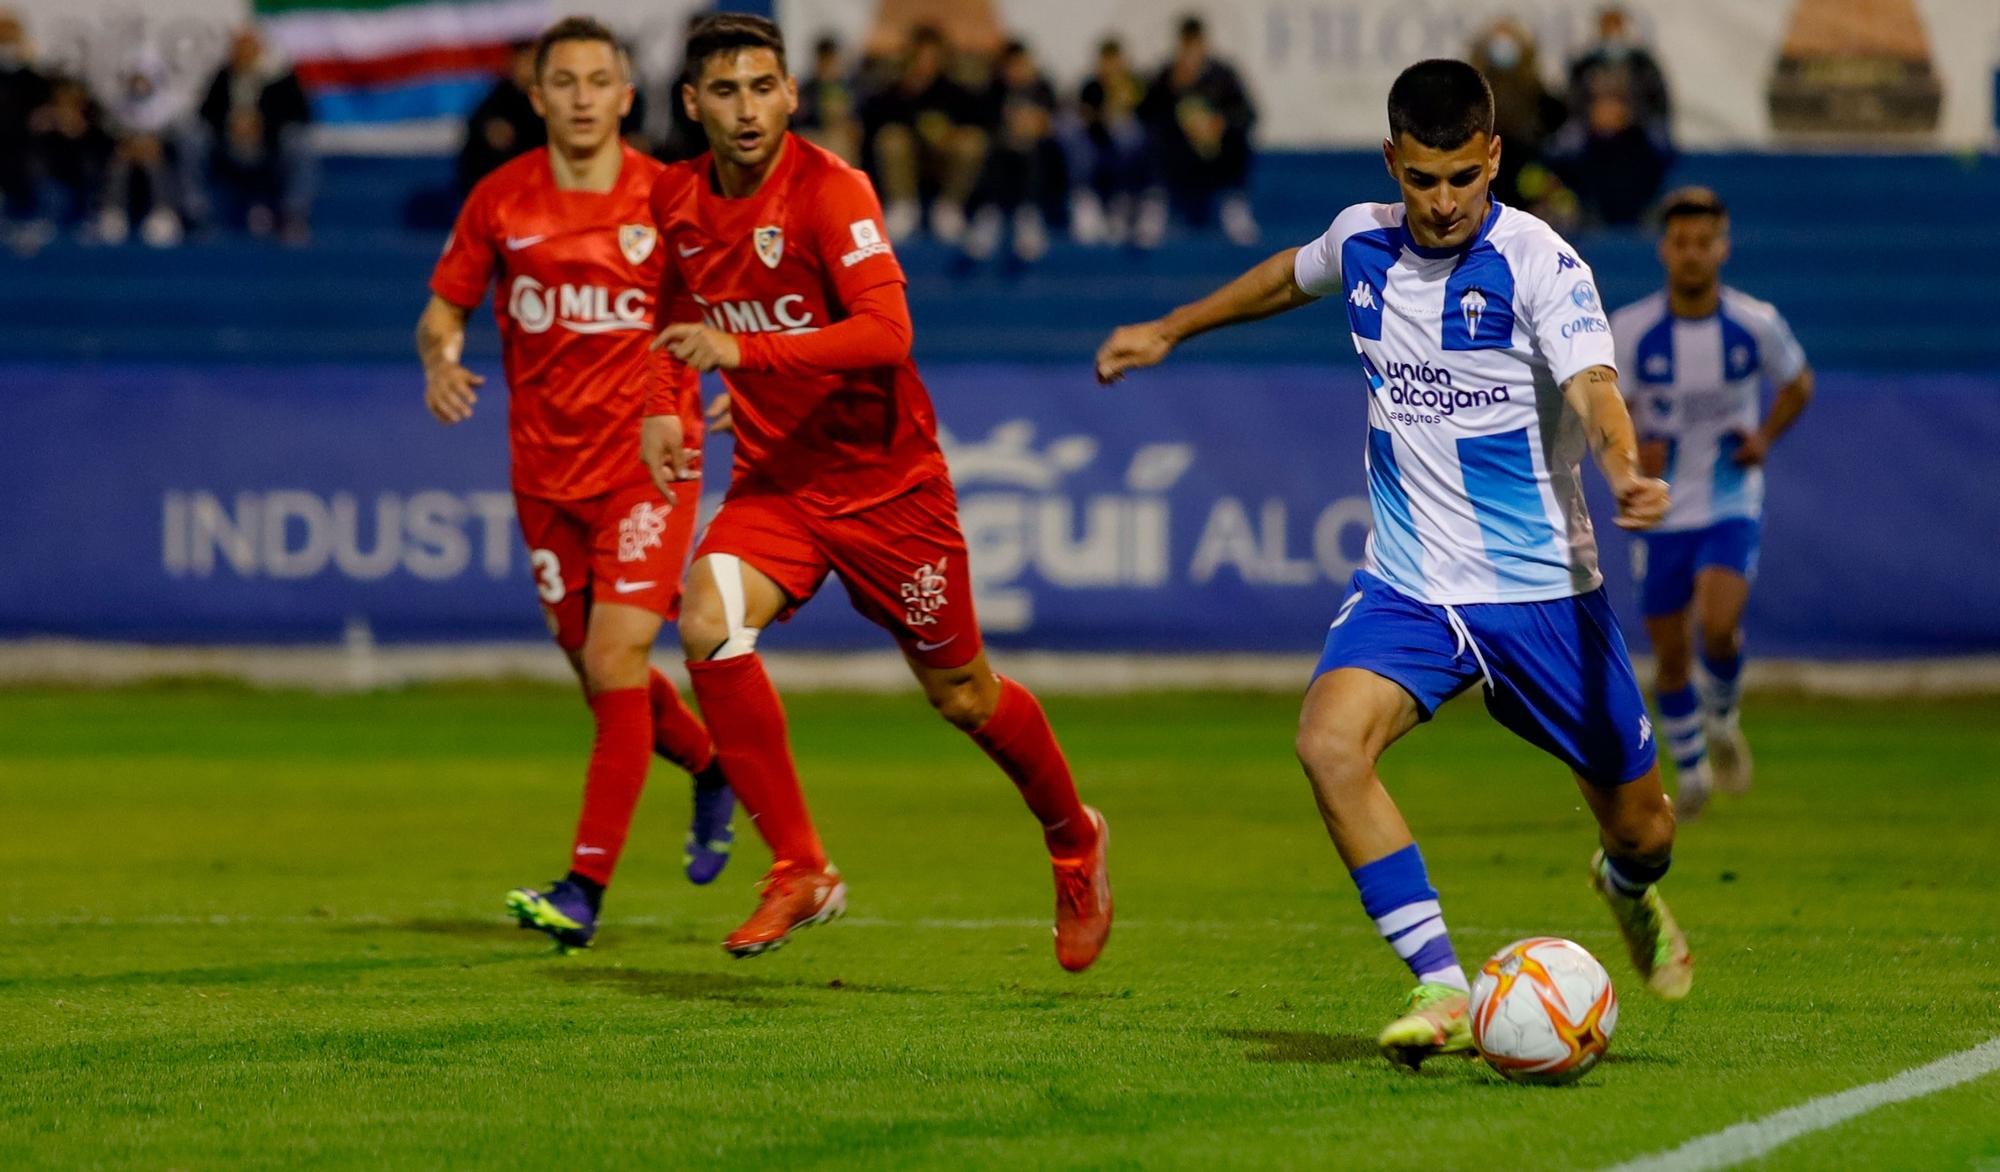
(1304, 1046)
(748, 992)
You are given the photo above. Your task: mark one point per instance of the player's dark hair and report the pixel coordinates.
(732, 33)
(1440, 103)
(578, 28)
(1690, 202)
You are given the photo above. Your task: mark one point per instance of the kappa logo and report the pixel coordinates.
(1473, 306)
(924, 595)
(1645, 731)
(636, 241)
(642, 529)
(1363, 296)
(1565, 261)
(1658, 365)
(770, 242)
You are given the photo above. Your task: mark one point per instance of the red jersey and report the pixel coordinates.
(791, 259)
(578, 271)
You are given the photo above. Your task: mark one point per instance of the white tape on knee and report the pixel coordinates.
(742, 640)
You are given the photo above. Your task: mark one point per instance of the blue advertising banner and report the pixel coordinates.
(1194, 508)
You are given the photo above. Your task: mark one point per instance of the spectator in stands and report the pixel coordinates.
(675, 135)
(1025, 174)
(24, 92)
(923, 141)
(142, 112)
(827, 115)
(1618, 65)
(1200, 116)
(72, 148)
(1526, 112)
(504, 123)
(255, 120)
(1112, 150)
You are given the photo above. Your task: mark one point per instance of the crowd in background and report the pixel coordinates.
(97, 159)
(966, 137)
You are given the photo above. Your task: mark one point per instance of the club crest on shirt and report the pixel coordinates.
(636, 241)
(770, 242)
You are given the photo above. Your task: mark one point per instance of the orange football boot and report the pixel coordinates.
(1083, 902)
(792, 898)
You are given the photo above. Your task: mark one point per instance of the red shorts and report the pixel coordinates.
(903, 563)
(628, 546)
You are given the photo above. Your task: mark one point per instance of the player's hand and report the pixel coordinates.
(663, 448)
(449, 393)
(1132, 348)
(704, 348)
(1752, 450)
(720, 419)
(1642, 503)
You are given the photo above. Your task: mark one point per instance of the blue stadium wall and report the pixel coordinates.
(226, 444)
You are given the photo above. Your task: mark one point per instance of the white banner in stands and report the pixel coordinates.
(1320, 68)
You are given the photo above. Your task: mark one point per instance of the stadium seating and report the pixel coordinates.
(1868, 303)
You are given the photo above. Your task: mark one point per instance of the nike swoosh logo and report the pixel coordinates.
(517, 243)
(590, 850)
(685, 252)
(923, 646)
(624, 587)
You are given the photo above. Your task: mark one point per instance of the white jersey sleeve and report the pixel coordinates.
(1316, 268)
(1564, 312)
(1783, 357)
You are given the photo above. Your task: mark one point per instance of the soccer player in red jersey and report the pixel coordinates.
(568, 233)
(778, 274)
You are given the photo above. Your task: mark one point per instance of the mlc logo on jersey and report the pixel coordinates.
(770, 242)
(582, 309)
(636, 241)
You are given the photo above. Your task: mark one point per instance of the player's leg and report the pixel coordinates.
(1561, 679)
(1666, 587)
(1389, 662)
(1721, 590)
(1003, 718)
(559, 557)
(730, 600)
(639, 552)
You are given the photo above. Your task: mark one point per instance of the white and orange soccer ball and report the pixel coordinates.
(1543, 1010)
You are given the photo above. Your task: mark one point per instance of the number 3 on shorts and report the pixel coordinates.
(548, 575)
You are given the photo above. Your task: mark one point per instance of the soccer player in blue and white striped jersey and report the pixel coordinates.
(1697, 356)
(1489, 371)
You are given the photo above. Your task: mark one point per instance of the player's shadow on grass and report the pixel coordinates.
(1304, 1046)
(748, 992)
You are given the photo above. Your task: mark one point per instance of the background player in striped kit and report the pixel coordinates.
(1696, 357)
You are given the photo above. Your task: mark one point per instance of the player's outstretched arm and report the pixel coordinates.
(1786, 408)
(1270, 288)
(449, 388)
(1593, 394)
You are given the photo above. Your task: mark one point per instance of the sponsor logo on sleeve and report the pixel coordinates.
(867, 242)
(1585, 296)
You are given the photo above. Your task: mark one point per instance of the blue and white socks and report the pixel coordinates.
(1397, 893)
(1680, 720)
(1724, 689)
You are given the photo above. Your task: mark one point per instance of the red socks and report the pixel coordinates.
(748, 725)
(678, 734)
(618, 760)
(1020, 741)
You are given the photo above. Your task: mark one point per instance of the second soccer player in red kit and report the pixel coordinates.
(568, 233)
(779, 275)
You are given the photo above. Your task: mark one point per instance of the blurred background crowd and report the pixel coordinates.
(969, 140)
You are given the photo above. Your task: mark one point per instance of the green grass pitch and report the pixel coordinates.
(248, 929)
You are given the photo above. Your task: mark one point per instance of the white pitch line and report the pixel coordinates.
(1753, 1138)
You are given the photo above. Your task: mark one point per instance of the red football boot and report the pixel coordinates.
(1083, 902)
(792, 898)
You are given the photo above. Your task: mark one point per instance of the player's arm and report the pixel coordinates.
(664, 445)
(449, 388)
(1785, 410)
(1269, 289)
(1593, 394)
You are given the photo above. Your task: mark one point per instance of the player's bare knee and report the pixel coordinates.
(702, 626)
(962, 703)
(609, 665)
(1335, 757)
(1643, 833)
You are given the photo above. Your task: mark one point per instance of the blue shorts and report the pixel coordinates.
(1559, 675)
(1666, 563)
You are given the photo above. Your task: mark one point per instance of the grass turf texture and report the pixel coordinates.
(265, 929)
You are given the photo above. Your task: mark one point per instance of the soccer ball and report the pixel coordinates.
(1543, 1010)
